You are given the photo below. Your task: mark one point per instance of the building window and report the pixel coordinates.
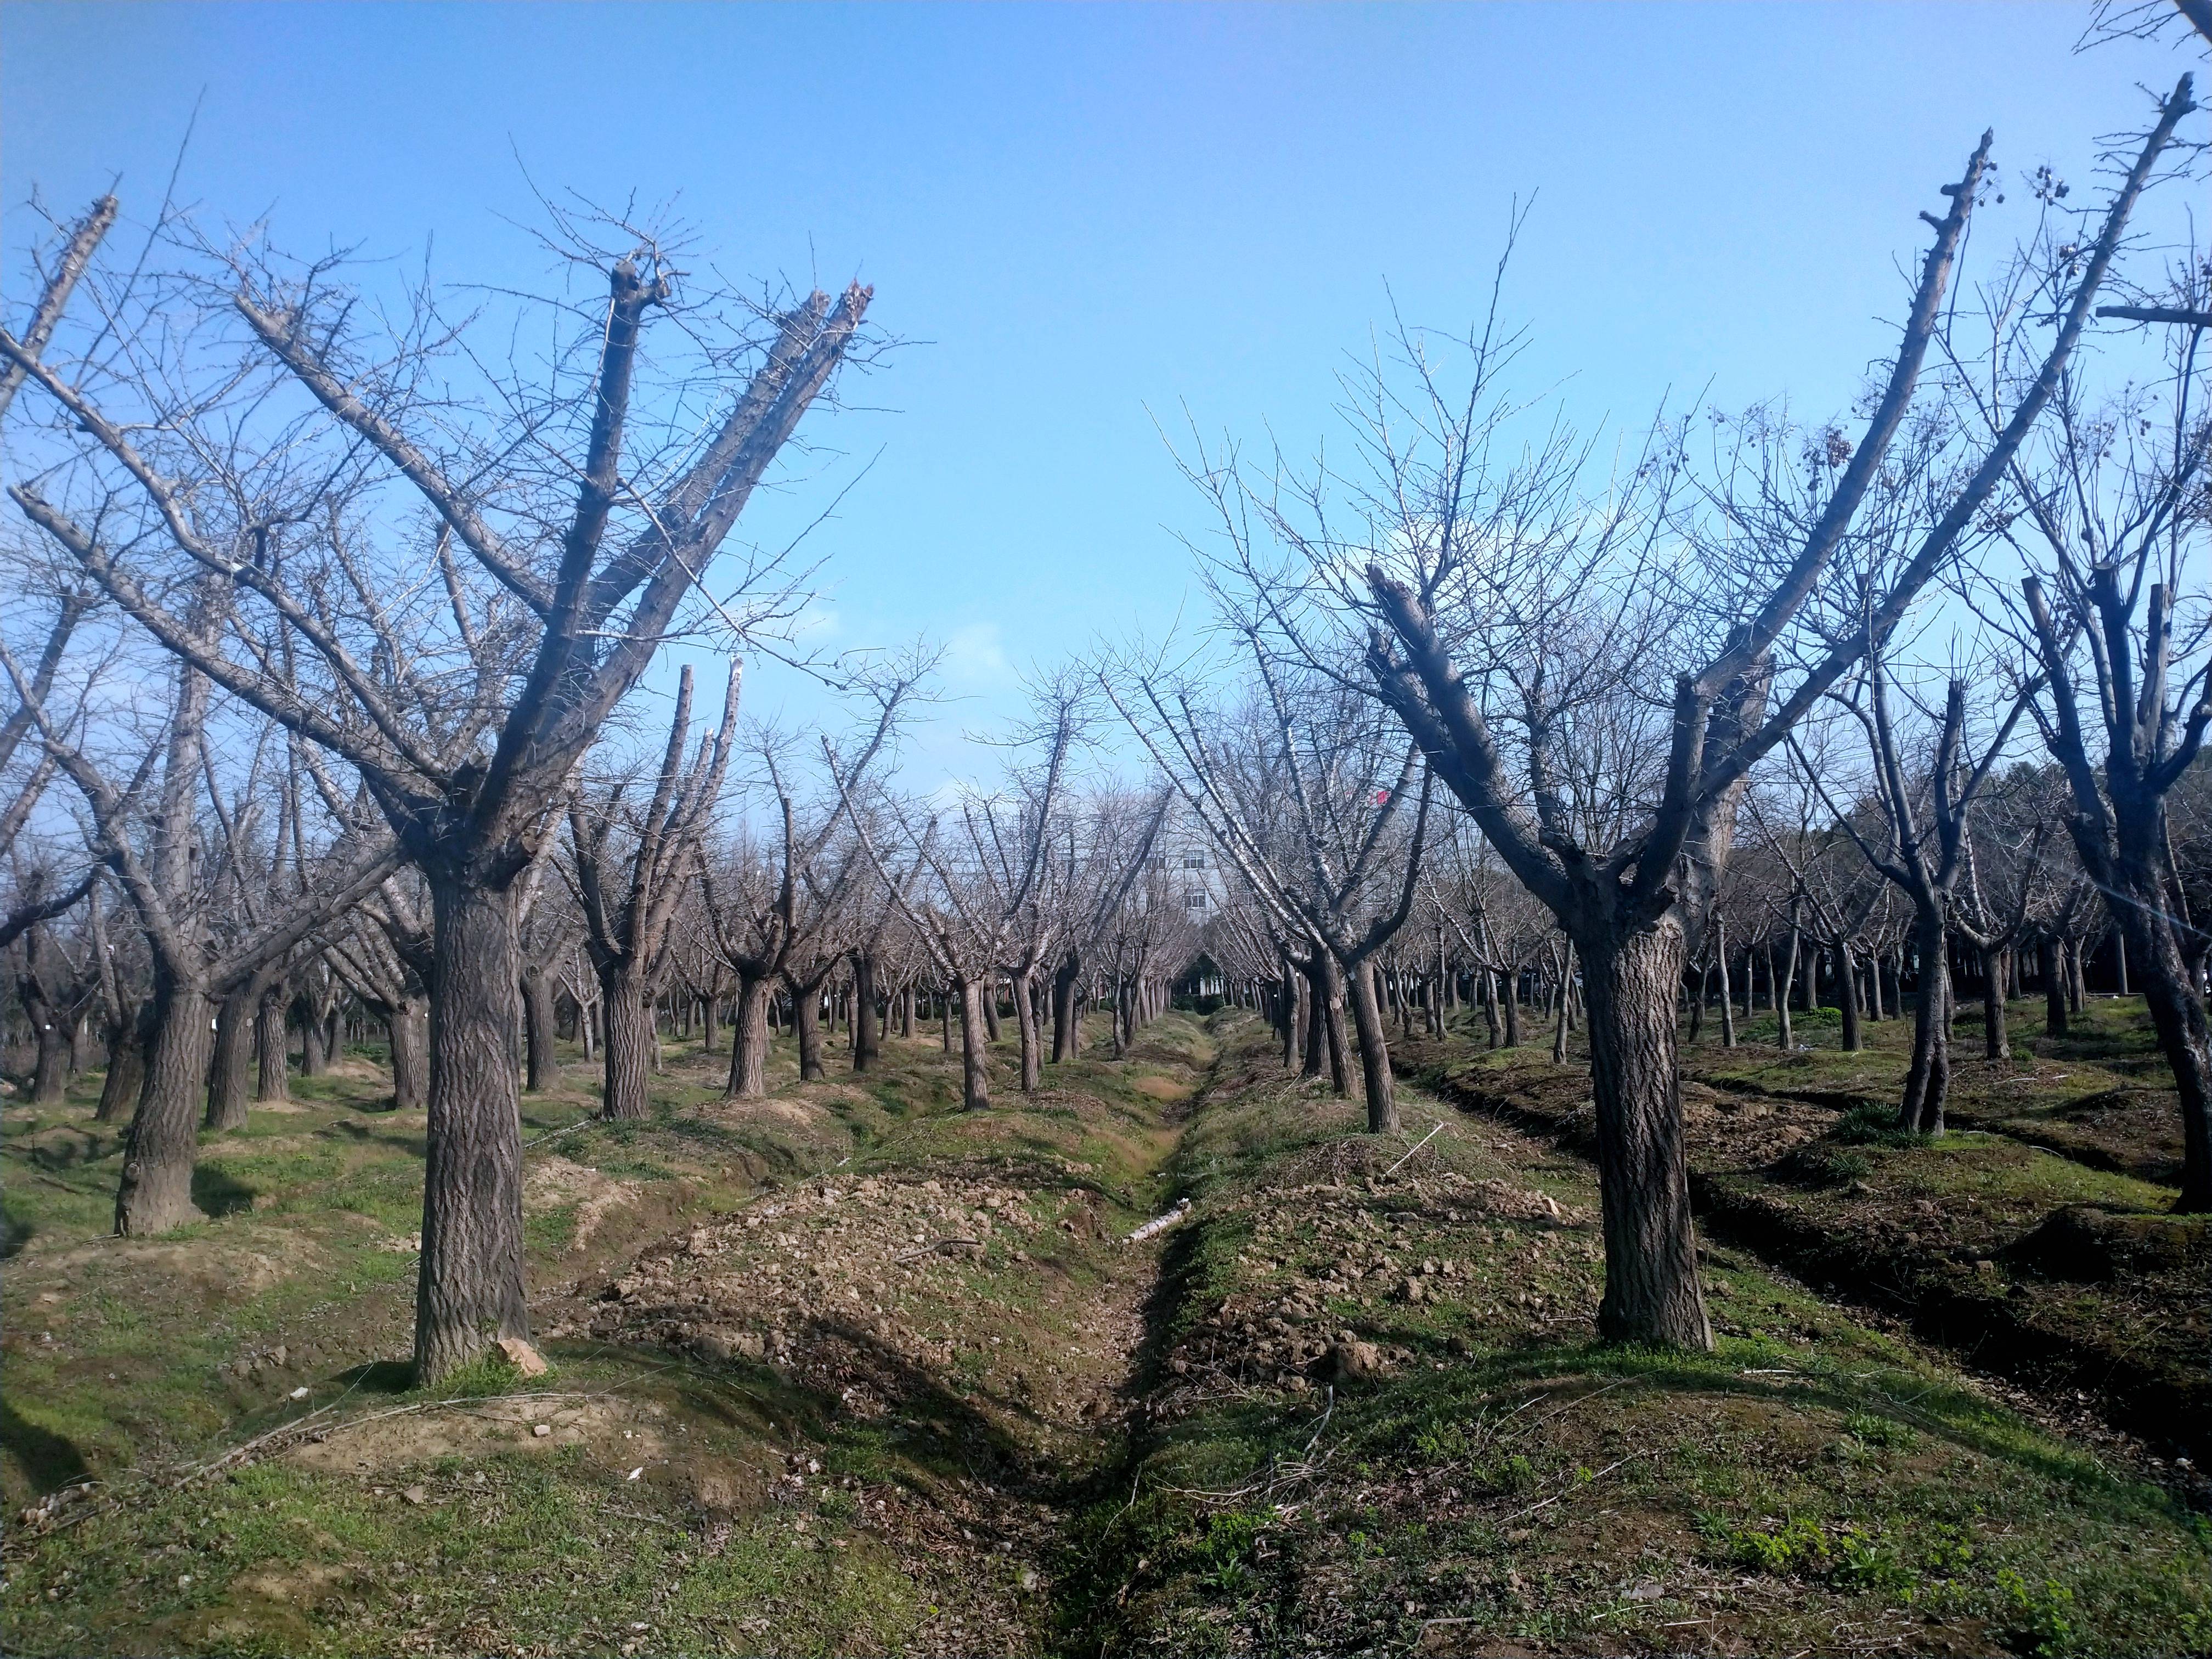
(1194, 861)
(1194, 901)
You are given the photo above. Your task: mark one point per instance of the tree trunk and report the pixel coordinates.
(228, 1092)
(975, 1048)
(1025, 1014)
(314, 1051)
(710, 1022)
(270, 1044)
(1297, 1045)
(2178, 1019)
(1781, 980)
(1374, 1050)
(749, 1041)
(1728, 999)
(541, 1068)
(127, 1040)
(1996, 1041)
(906, 1014)
(470, 1291)
(50, 1079)
(155, 1193)
(2054, 989)
(807, 1020)
(1847, 990)
(624, 1096)
(1651, 1291)
(409, 1025)
(1927, 1079)
(1490, 1000)
(867, 1035)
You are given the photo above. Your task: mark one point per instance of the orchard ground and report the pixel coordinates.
(851, 1371)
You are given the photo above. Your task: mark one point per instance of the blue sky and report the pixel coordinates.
(1092, 216)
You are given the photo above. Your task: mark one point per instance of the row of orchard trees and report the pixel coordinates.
(1687, 707)
(343, 618)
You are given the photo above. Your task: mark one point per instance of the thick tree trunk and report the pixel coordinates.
(127, 1041)
(975, 1048)
(807, 1020)
(314, 1049)
(867, 1035)
(1490, 1000)
(1651, 1291)
(409, 1026)
(270, 1044)
(989, 989)
(1032, 1046)
(1928, 1079)
(1513, 1008)
(625, 1095)
(470, 1291)
(155, 1193)
(710, 1023)
(749, 1041)
(1374, 1050)
(906, 1014)
(541, 1068)
(228, 1090)
(2178, 1019)
(1067, 1009)
(1297, 1045)
(2054, 988)
(50, 1076)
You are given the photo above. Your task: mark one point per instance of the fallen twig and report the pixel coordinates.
(1417, 1147)
(1160, 1224)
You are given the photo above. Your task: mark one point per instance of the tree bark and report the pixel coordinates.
(270, 1044)
(975, 1048)
(155, 1193)
(470, 1291)
(315, 1052)
(2054, 989)
(127, 1040)
(807, 1020)
(1847, 986)
(749, 1041)
(1928, 1079)
(1651, 1290)
(1996, 1041)
(631, 1042)
(409, 1026)
(227, 1089)
(867, 1034)
(1025, 1015)
(1374, 1050)
(541, 1067)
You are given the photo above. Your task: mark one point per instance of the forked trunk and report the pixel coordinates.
(470, 1293)
(271, 1080)
(975, 1049)
(541, 1068)
(749, 1041)
(1651, 1290)
(155, 1193)
(228, 1086)
(1374, 1051)
(1025, 1014)
(631, 1044)
(409, 1024)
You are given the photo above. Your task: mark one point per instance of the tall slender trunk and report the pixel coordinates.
(155, 1193)
(1651, 1291)
(905, 1012)
(541, 1069)
(944, 1020)
(1781, 980)
(1297, 1045)
(1728, 1000)
(409, 1024)
(271, 1080)
(749, 1040)
(470, 1291)
(1374, 1050)
(631, 1039)
(127, 1041)
(867, 1034)
(1847, 987)
(1996, 1041)
(1513, 1008)
(989, 987)
(975, 1048)
(1490, 1005)
(228, 1092)
(1025, 1014)
(1928, 1079)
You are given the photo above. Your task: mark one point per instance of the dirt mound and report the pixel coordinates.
(556, 1180)
(2091, 1246)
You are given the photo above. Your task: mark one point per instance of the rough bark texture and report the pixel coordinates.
(1032, 1048)
(631, 1042)
(1068, 1009)
(541, 1068)
(867, 1034)
(2183, 1037)
(409, 1024)
(1996, 1040)
(1373, 1052)
(807, 1020)
(1928, 1079)
(749, 1042)
(272, 1080)
(228, 1087)
(126, 1065)
(975, 1049)
(470, 1293)
(1651, 1291)
(155, 1193)
(2054, 988)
